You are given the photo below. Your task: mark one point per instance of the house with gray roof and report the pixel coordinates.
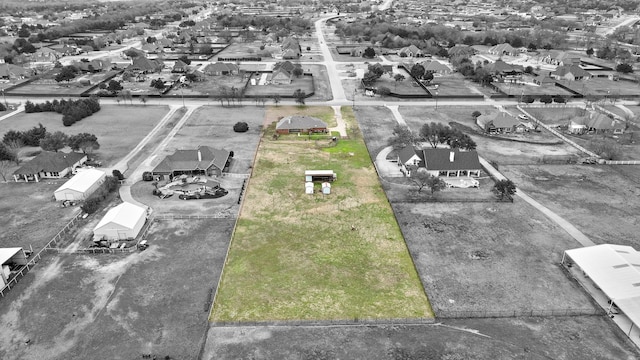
(49, 165)
(441, 162)
(204, 160)
(300, 124)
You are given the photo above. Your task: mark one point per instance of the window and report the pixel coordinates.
(56, 174)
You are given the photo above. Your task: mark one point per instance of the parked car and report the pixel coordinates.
(523, 117)
(213, 194)
(93, 162)
(147, 176)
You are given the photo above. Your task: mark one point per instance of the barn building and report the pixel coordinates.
(10, 258)
(120, 223)
(81, 186)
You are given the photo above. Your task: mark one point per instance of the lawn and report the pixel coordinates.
(119, 128)
(72, 88)
(553, 116)
(603, 87)
(312, 257)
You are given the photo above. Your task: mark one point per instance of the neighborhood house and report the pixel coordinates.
(300, 124)
(439, 162)
(204, 160)
(49, 165)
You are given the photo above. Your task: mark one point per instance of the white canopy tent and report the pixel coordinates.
(614, 269)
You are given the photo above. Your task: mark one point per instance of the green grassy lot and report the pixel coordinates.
(603, 87)
(556, 115)
(119, 128)
(298, 256)
(70, 89)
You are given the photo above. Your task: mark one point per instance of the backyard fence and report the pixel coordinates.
(98, 250)
(35, 258)
(463, 314)
(621, 162)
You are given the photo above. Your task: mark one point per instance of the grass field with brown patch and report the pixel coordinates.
(311, 257)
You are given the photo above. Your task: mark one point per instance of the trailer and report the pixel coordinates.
(320, 175)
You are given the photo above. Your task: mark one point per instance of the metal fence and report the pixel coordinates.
(461, 314)
(38, 256)
(98, 250)
(621, 162)
(219, 215)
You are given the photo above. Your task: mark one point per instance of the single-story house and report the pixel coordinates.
(283, 72)
(436, 67)
(221, 68)
(11, 71)
(81, 185)
(203, 160)
(10, 258)
(300, 124)
(291, 48)
(180, 67)
(498, 123)
(49, 165)
(145, 66)
(601, 123)
(121, 223)
(542, 80)
(503, 49)
(439, 162)
(570, 72)
(611, 274)
(411, 51)
(461, 50)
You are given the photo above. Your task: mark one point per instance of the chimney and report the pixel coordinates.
(199, 156)
(452, 156)
(289, 120)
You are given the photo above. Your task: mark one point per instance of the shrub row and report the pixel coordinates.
(72, 110)
(92, 203)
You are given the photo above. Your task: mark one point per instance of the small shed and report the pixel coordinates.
(81, 186)
(10, 258)
(326, 188)
(120, 223)
(308, 187)
(320, 175)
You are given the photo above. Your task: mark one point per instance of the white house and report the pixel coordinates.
(10, 258)
(81, 186)
(120, 223)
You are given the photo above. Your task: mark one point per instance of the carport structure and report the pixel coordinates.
(611, 273)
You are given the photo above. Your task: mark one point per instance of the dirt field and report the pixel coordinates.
(274, 271)
(36, 219)
(119, 306)
(499, 339)
(601, 201)
(119, 128)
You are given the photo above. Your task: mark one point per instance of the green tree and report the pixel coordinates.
(83, 141)
(54, 141)
(417, 71)
(590, 52)
(66, 73)
(114, 86)
(624, 68)
(398, 78)
(504, 188)
(421, 179)
(369, 53)
(276, 99)
(476, 114)
(402, 137)
(435, 133)
(383, 91)
(546, 99)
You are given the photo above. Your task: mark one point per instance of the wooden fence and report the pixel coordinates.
(34, 259)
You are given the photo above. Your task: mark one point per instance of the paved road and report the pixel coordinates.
(336, 85)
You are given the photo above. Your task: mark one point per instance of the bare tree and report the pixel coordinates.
(14, 147)
(5, 165)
